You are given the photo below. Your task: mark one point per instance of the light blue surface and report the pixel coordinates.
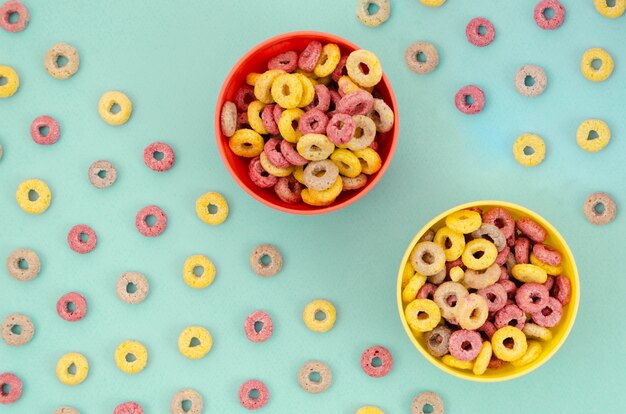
(171, 58)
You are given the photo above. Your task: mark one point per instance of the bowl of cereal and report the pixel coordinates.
(488, 291)
(306, 122)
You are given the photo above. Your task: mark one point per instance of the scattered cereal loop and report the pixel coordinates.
(250, 401)
(310, 385)
(369, 409)
(38, 130)
(72, 307)
(23, 264)
(7, 9)
(198, 271)
(17, 338)
(541, 14)
(612, 12)
(531, 80)
(319, 316)
(131, 357)
(12, 81)
(132, 287)
(102, 174)
(144, 215)
(470, 99)
(376, 361)
(433, 3)
(600, 209)
(474, 32)
(265, 325)
(212, 208)
(594, 57)
(33, 196)
(158, 156)
(54, 54)
(421, 57)
(66, 410)
(128, 408)
(14, 384)
(195, 342)
(115, 108)
(82, 239)
(376, 18)
(529, 150)
(72, 369)
(427, 398)
(266, 260)
(193, 398)
(591, 143)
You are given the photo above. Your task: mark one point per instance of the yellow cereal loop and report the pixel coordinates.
(195, 342)
(36, 190)
(422, 315)
(433, 3)
(298, 174)
(346, 85)
(456, 274)
(212, 208)
(329, 58)
(452, 242)
(481, 363)
(309, 75)
(319, 316)
(532, 330)
(532, 353)
(251, 78)
(12, 81)
(198, 271)
(246, 143)
(286, 126)
(601, 57)
(369, 159)
(409, 293)
(529, 150)
(347, 163)
(274, 170)
(115, 108)
(287, 91)
(72, 368)
(254, 117)
(322, 198)
(354, 66)
(612, 12)
(131, 357)
(263, 85)
(453, 362)
(407, 273)
(529, 273)
(308, 89)
(602, 135)
(315, 147)
(369, 409)
(464, 221)
(473, 247)
(551, 270)
(509, 335)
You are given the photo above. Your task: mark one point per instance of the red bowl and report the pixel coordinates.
(256, 61)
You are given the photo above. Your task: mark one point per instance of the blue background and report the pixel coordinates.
(171, 58)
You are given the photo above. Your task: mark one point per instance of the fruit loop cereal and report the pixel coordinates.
(598, 141)
(51, 61)
(419, 404)
(158, 156)
(253, 395)
(258, 326)
(266, 260)
(33, 196)
(478, 310)
(23, 264)
(212, 208)
(307, 374)
(541, 14)
(369, 409)
(115, 108)
(376, 361)
(374, 19)
(596, 65)
(72, 307)
(17, 329)
(195, 342)
(194, 399)
(128, 408)
(529, 150)
(10, 388)
(480, 32)
(132, 287)
(23, 17)
(45, 130)
(102, 174)
(198, 271)
(319, 316)
(66, 410)
(600, 209)
(421, 57)
(531, 80)
(612, 12)
(228, 119)
(147, 213)
(470, 99)
(12, 81)
(131, 357)
(82, 239)
(72, 369)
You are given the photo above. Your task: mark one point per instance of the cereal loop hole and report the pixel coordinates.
(16, 329)
(22, 264)
(610, 3)
(158, 155)
(71, 369)
(266, 260)
(529, 150)
(185, 405)
(376, 362)
(130, 357)
(6, 389)
(428, 409)
(61, 61)
(44, 130)
(198, 271)
(548, 13)
(258, 326)
(372, 8)
(84, 237)
(71, 307)
(115, 108)
(315, 377)
(423, 315)
(529, 81)
(509, 343)
(14, 17)
(102, 174)
(421, 57)
(254, 394)
(3, 81)
(286, 91)
(599, 208)
(596, 64)
(212, 209)
(469, 100)
(33, 195)
(131, 288)
(194, 342)
(482, 30)
(150, 220)
(320, 315)
(364, 68)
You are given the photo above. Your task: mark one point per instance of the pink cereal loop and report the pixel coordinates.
(381, 353)
(259, 176)
(502, 219)
(75, 241)
(465, 345)
(287, 61)
(503, 255)
(340, 70)
(550, 314)
(356, 103)
(272, 150)
(243, 97)
(427, 291)
(313, 121)
(321, 100)
(15, 384)
(45, 121)
(335, 97)
(128, 408)
(291, 154)
(472, 31)
(79, 302)
(532, 230)
(556, 21)
(462, 96)
(158, 227)
(508, 314)
(495, 296)
(277, 112)
(149, 156)
(266, 329)
(289, 190)
(340, 129)
(269, 121)
(253, 403)
(522, 250)
(531, 297)
(309, 57)
(549, 283)
(7, 9)
(547, 254)
(562, 289)
(488, 329)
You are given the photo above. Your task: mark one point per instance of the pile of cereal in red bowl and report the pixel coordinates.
(310, 125)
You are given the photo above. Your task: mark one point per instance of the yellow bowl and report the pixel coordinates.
(559, 332)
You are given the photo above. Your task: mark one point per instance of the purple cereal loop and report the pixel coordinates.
(321, 100)
(269, 121)
(547, 254)
(503, 255)
(510, 313)
(75, 241)
(522, 250)
(289, 190)
(488, 329)
(164, 163)
(15, 388)
(45, 121)
(495, 296)
(267, 326)
(531, 297)
(473, 33)
(465, 345)
(128, 408)
(273, 153)
(502, 219)
(549, 283)
(556, 21)
(309, 57)
(340, 128)
(550, 314)
(80, 307)
(562, 290)
(335, 98)
(532, 230)
(510, 288)
(381, 353)
(473, 91)
(287, 61)
(356, 103)
(158, 227)
(291, 154)
(313, 121)
(427, 291)
(7, 9)
(340, 70)
(243, 97)
(277, 112)
(259, 176)
(253, 403)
